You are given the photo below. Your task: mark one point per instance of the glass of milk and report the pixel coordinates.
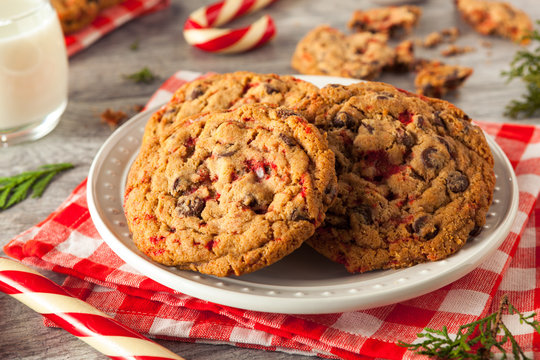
(33, 70)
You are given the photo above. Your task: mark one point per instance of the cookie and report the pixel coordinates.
(415, 178)
(404, 59)
(435, 79)
(231, 90)
(75, 15)
(327, 51)
(230, 192)
(496, 18)
(394, 21)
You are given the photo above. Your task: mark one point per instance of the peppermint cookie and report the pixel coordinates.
(394, 21)
(496, 18)
(230, 192)
(415, 178)
(327, 51)
(231, 90)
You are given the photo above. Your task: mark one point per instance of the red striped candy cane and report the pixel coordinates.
(200, 28)
(90, 325)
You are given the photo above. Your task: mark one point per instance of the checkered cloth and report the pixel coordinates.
(68, 242)
(108, 20)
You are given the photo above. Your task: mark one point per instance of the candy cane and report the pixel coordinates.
(77, 317)
(200, 31)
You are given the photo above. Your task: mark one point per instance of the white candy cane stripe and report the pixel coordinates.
(200, 31)
(77, 317)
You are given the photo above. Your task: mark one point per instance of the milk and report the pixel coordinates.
(33, 63)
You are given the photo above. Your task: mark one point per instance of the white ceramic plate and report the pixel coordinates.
(303, 282)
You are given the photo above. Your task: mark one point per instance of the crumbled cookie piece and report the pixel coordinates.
(404, 60)
(435, 79)
(451, 34)
(433, 39)
(113, 118)
(395, 21)
(496, 18)
(327, 51)
(453, 50)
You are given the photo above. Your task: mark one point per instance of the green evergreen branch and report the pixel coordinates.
(14, 189)
(526, 66)
(474, 341)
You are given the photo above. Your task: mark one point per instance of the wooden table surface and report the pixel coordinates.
(96, 83)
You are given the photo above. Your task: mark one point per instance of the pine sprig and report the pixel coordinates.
(526, 66)
(14, 189)
(145, 75)
(474, 341)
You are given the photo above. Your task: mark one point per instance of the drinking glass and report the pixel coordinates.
(33, 70)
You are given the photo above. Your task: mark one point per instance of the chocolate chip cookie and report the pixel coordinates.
(394, 21)
(230, 192)
(415, 178)
(327, 51)
(75, 15)
(496, 18)
(231, 90)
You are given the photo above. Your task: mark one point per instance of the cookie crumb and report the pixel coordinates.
(113, 118)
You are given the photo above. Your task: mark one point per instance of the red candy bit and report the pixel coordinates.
(211, 244)
(302, 181)
(345, 137)
(149, 217)
(379, 160)
(261, 168)
(234, 176)
(405, 117)
(158, 252)
(190, 142)
(156, 240)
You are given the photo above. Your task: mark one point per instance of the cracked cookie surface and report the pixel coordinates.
(229, 91)
(230, 192)
(415, 178)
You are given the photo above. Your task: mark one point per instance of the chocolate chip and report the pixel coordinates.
(422, 229)
(419, 223)
(343, 118)
(365, 212)
(431, 159)
(286, 113)
(250, 201)
(438, 120)
(457, 182)
(405, 138)
(190, 206)
(416, 175)
(270, 89)
(420, 122)
(195, 93)
(298, 215)
(230, 151)
(287, 139)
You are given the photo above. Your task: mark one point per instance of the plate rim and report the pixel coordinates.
(296, 303)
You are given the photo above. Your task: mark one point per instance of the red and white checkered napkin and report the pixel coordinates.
(68, 242)
(108, 20)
